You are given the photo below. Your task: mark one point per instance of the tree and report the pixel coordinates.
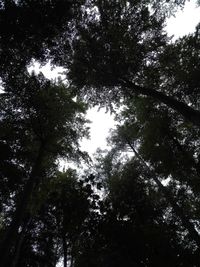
(61, 209)
(161, 143)
(123, 51)
(138, 210)
(32, 30)
(135, 226)
(43, 123)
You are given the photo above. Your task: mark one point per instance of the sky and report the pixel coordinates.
(185, 20)
(182, 23)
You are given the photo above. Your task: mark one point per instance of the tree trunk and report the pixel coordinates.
(187, 112)
(19, 243)
(10, 237)
(65, 258)
(194, 235)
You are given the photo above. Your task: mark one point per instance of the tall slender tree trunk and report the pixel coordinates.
(194, 235)
(65, 253)
(187, 112)
(11, 235)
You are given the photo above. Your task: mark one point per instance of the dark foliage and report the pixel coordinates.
(139, 204)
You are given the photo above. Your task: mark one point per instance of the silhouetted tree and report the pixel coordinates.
(43, 123)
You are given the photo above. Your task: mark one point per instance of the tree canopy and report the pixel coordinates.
(136, 204)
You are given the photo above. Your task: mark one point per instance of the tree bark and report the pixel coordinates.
(187, 112)
(10, 237)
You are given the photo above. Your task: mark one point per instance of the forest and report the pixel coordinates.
(136, 204)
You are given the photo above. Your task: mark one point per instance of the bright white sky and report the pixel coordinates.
(184, 22)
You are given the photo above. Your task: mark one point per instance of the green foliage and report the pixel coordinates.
(115, 43)
(135, 227)
(62, 213)
(45, 113)
(139, 204)
(41, 122)
(30, 29)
